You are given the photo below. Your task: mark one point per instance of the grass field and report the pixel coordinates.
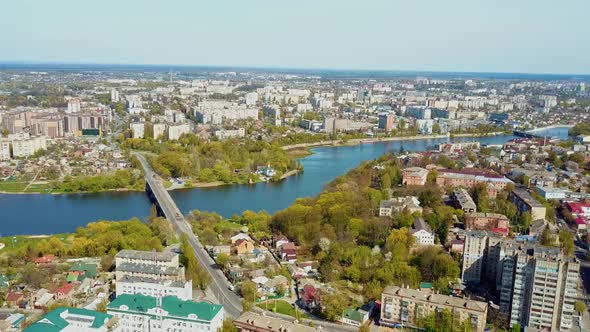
(19, 186)
(281, 307)
(17, 242)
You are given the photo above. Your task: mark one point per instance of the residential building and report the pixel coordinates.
(73, 105)
(526, 203)
(147, 264)
(552, 192)
(155, 287)
(4, 149)
(66, 319)
(410, 204)
(386, 121)
(174, 132)
(463, 200)
(253, 322)
(485, 221)
(356, 317)
(139, 313)
(414, 176)
(480, 257)
(227, 133)
(137, 129)
(539, 287)
(404, 306)
(159, 130)
(468, 178)
(24, 145)
(422, 232)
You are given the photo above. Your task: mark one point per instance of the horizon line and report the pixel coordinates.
(276, 68)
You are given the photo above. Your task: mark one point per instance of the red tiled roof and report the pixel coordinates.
(13, 296)
(44, 259)
(64, 289)
(471, 171)
(288, 246)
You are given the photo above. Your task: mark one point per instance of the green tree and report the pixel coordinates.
(249, 294)
(222, 260)
(228, 326)
(194, 270)
(480, 196)
(102, 306)
(580, 307)
(546, 237)
(333, 306)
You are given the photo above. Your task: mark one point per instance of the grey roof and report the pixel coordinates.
(420, 224)
(135, 279)
(165, 256)
(148, 269)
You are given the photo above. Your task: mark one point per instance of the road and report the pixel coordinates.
(219, 287)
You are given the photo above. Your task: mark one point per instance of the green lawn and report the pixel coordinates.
(20, 241)
(19, 186)
(230, 225)
(281, 307)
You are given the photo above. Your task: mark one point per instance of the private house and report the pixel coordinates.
(422, 232)
(278, 240)
(356, 317)
(243, 247)
(44, 260)
(288, 252)
(14, 298)
(240, 236)
(63, 292)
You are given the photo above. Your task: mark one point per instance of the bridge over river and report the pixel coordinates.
(167, 208)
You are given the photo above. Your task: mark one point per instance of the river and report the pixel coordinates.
(49, 214)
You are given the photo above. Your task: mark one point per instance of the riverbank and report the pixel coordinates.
(549, 128)
(357, 141)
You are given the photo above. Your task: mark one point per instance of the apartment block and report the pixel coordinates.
(148, 264)
(468, 178)
(404, 306)
(155, 287)
(485, 221)
(462, 200)
(526, 203)
(414, 176)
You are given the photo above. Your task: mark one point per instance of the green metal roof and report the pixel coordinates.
(52, 321)
(171, 304)
(425, 285)
(90, 270)
(353, 314)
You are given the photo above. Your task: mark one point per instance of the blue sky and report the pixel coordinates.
(532, 36)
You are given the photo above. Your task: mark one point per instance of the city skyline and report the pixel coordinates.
(385, 35)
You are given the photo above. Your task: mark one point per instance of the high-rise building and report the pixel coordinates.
(4, 149)
(115, 96)
(73, 105)
(386, 121)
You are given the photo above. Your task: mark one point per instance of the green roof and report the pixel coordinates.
(52, 321)
(90, 270)
(171, 304)
(354, 314)
(425, 285)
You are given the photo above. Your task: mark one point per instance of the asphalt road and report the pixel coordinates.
(231, 302)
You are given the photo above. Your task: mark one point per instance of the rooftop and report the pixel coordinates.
(175, 307)
(57, 319)
(428, 296)
(165, 256)
(271, 323)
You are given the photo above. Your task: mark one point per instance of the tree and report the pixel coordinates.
(194, 270)
(106, 262)
(516, 328)
(580, 307)
(222, 261)
(281, 290)
(365, 328)
(480, 196)
(228, 326)
(333, 305)
(546, 237)
(249, 294)
(566, 242)
(102, 306)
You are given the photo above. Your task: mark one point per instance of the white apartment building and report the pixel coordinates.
(66, 319)
(159, 129)
(137, 129)
(4, 149)
(174, 132)
(73, 105)
(154, 287)
(139, 313)
(422, 232)
(24, 145)
(226, 133)
(251, 98)
(147, 264)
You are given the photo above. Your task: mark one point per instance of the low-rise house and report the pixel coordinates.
(65, 291)
(243, 247)
(457, 246)
(422, 232)
(279, 240)
(288, 252)
(222, 249)
(356, 317)
(45, 259)
(11, 321)
(14, 298)
(240, 236)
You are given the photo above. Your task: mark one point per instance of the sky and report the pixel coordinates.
(516, 36)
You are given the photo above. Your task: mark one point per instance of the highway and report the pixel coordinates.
(231, 302)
